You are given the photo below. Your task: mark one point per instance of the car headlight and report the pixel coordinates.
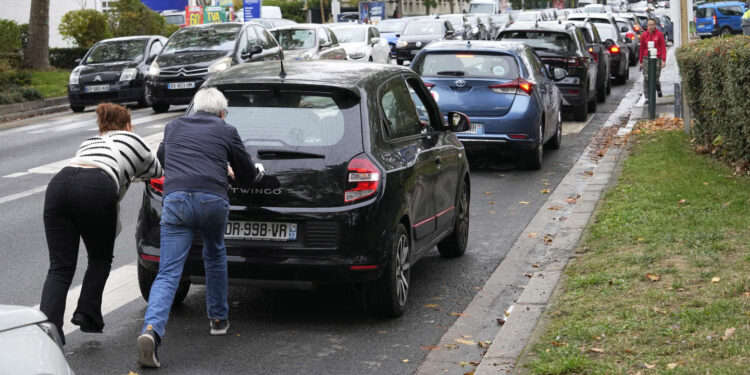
(74, 76)
(401, 43)
(154, 70)
(356, 55)
(474, 30)
(51, 331)
(220, 65)
(128, 74)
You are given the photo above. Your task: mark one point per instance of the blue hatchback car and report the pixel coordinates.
(722, 18)
(391, 30)
(510, 97)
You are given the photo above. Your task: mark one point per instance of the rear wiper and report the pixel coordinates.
(281, 154)
(456, 73)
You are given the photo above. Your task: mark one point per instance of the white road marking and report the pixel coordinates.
(17, 174)
(574, 127)
(121, 289)
(22, 194)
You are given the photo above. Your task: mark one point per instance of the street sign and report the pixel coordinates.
(214, 15)
(252, 8)
(193, 15)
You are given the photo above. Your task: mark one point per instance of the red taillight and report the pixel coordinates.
(513, 87)
(630, 35)
(363, 179)
(715, 21)
(429, 85)
(637, 28)
(614, 49)
(157, 184)
(518, 136)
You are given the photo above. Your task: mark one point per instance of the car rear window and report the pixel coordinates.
(204, 38)
(608, 32)
(542, 40)
(295, 38)
(296, 119)
(467, 65)
(424, 27)
(734, 10)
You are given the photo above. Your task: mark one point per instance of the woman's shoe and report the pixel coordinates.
(86, 323)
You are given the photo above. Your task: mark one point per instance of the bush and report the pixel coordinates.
(716, 77)
(30, 93)
(132, 17)
(14, 79)
(10, 97)
(10, 61)
(291, 10)
(84, 27)
(10, 36)
(65, 58)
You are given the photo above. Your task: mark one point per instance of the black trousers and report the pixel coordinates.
(79, 203)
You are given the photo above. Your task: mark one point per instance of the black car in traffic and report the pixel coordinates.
(359, 183)
(113, 70)
(601, 56)
(194, 53)
(562, 46)
(419, 33)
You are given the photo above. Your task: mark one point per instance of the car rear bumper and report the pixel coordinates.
(119, 92)
(497, 131)
(406, 53)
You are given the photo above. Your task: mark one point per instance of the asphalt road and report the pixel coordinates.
(325, 331)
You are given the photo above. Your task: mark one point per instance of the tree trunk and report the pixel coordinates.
(36, 55)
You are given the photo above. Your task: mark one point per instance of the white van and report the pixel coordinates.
(265, 12)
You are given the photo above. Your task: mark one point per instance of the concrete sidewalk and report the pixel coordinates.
(575, 200)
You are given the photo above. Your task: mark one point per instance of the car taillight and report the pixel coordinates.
(157, 184)
(516, 86)
(614, 49)
(362, 180)
(575, 61)
(637, 28)
(630, 35)
(714, 17)
(429, 85)
(594, 55)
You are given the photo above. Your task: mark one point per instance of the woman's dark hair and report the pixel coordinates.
(112, 117)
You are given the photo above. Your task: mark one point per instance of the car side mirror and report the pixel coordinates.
(254, 50)
(375, 41)
(558, 74)
(624, 29)
(78, 61)
(458, 122)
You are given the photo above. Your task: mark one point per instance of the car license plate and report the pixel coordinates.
(180, 85)
(475, 128)
(261, 230)
(96, 88)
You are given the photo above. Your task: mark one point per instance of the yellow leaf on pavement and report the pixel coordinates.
(466, 336)
(431, 305)
(544, 191)
(404, 360)
(465, 342)
(525, 203)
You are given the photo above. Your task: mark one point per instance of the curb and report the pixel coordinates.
(15, 111)
(515, 334)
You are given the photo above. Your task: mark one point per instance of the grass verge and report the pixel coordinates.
(51, 83)
(661, 284)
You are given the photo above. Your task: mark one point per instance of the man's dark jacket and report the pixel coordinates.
(195, 152)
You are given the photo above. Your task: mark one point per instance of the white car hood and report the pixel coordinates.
(18, 316)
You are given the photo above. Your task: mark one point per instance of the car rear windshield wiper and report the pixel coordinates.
(281, 154)
(456, 73)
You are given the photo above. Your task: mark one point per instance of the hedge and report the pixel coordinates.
(10, 36)
(13, 88)
(716, 79)
(65, 58)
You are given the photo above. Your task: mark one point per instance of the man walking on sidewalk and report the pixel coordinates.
(652, 35)
(195, 154)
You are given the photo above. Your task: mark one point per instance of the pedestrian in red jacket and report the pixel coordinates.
(652, 35)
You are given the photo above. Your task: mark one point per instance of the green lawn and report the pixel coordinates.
(52, 83)
(662, 280)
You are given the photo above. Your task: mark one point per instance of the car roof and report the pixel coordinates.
(475, 45)
(555, 26)
(349, 75)
(134, 37)
(349, 24)
(301, 26)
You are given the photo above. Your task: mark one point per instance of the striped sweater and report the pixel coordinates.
(122, 154)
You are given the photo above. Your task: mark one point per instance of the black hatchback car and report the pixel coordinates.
(562, 46)
(419, 33)
(194, 53)
(363, 177)
(113, 70)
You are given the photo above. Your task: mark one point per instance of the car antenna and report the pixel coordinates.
(282, 73)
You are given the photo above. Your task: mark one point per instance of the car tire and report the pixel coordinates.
(592, 103)
(601, 92)
(532, 159)
(160, 107)
(399, 62)
(387, 296)
(146, 279)
(454, 245)
(556, 140)
(582, 111)
(145, 101)
(609, 85)
(725, 31)
(77, 108)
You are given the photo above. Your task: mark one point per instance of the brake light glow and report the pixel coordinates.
(157, 184)
(518, 136)
(429, 85)
(513, 87)
(363, 180)
(637, 28)
(630, 35)
(614, 49)
(714, 17)
(465, 56)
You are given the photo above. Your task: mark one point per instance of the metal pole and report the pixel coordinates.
(652, 87)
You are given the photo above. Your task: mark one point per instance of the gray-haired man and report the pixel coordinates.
(194, 154)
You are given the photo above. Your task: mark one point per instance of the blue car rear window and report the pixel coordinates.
(497, 66)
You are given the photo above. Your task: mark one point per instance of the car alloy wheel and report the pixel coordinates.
(555, 142)
(387, 296)
(534, 156)
(455, 244)
(402, 269)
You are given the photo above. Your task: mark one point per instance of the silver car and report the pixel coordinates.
(29, 343)
(309, 42)
(362, 42)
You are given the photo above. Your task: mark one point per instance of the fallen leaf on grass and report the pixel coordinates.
(728, 333)
(657, 310)
(484, 344)
(715, 279)
(458, 314)
(465, 342)
(640, 239)
(653, 277)
(525, 203)
(671, 366)
(746, 294)
(544, 191)
(571, 200)
(431, 305)
(430, 347)
(555, 343)
(681, 201)
(596, 350)
(705, 183)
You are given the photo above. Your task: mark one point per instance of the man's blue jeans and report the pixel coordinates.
(184, 213)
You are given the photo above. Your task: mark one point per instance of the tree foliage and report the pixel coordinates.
(291, 10)
(10, 36)
(132, 17)
(84, 27)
